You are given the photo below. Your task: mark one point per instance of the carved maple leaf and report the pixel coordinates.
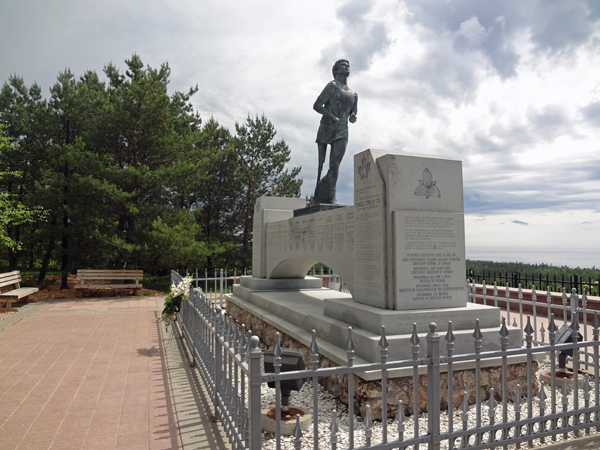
(364, 168)
(427, 186)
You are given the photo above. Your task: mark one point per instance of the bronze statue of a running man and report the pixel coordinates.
(338, 104)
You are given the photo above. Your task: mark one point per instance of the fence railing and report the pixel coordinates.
(228, 358)
(217, 282)
(518, 303)
(552, 282)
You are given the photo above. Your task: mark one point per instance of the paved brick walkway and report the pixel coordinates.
(87, 374)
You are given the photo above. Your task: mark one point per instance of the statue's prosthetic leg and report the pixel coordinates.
(338, 149)
(322, 153)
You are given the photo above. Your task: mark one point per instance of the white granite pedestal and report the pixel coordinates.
(297, 312)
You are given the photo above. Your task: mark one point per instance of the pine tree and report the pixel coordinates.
(260, 172)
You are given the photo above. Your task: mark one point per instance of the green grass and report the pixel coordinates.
(155, 283)
(159, 283)
(35, 272)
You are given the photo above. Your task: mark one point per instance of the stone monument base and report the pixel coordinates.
(368, 384)
(305, 306)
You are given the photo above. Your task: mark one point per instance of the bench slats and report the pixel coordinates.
(96, 275)
(6, 299)
(19, 293)
(109, 272)
(9, 278)
(99, 286)
(110, 277)
(91, 274)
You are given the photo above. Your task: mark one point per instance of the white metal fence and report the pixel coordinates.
(564, 308)
(217, 282)
(228, 358)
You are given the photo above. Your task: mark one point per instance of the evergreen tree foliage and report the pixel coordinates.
(143, 182)
(259, 172)
(13, 213)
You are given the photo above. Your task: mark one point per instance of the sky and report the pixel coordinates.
(511, 88)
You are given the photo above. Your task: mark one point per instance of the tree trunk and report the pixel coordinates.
(13, 260)
(13, 255)
(46, 261)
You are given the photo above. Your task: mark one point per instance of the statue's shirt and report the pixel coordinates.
(340, 101)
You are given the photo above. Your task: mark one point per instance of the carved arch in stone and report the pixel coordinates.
(298, 267)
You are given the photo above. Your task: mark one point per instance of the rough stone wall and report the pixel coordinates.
(399, 389)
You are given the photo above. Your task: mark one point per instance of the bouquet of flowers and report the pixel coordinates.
(178, 293)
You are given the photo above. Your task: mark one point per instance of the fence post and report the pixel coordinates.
(218, 360)
(433, 387)
(221, 293)
(254, 362)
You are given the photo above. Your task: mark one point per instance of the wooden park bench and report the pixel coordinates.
(13, 278)
(85, 276)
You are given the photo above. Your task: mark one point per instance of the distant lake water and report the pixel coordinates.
(582, 259)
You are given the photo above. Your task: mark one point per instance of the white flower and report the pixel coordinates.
(183, 288)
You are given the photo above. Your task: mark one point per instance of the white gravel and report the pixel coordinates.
(327, 404)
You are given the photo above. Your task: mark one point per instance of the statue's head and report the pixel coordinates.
(337, 64)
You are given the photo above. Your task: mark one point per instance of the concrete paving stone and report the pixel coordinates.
(11, 436)
(86, 397)
(70, 441)
(10, 440)
(104, 417)
(112, 386)
(139, 426)
(20, 418)
(42, 434)
(5, 413)
(43, 391)
(110, 395)
(77, 418)
(131, 405)
(54, 410)
(133, 378)
(37, 441)
(30, 404)
(93, 387)
(134, 447)
(50, 425)
(13, 397)
(105, 432)
(96, 445)
(66, 389)
(131, 439)
(84, 370)
(83, 403)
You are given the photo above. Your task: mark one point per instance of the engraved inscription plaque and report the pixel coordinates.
(304, 238)
(430, 259)
(339, 236)
(329, 237)
(311, 238)
(350, 235)
(369, 233)
(320, 237)
(297, 238)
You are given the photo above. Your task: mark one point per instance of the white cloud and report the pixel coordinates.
(510, 88)
(472, 32)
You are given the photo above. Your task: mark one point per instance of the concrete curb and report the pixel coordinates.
(6, 320)
(193, 405)
(583, 443)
